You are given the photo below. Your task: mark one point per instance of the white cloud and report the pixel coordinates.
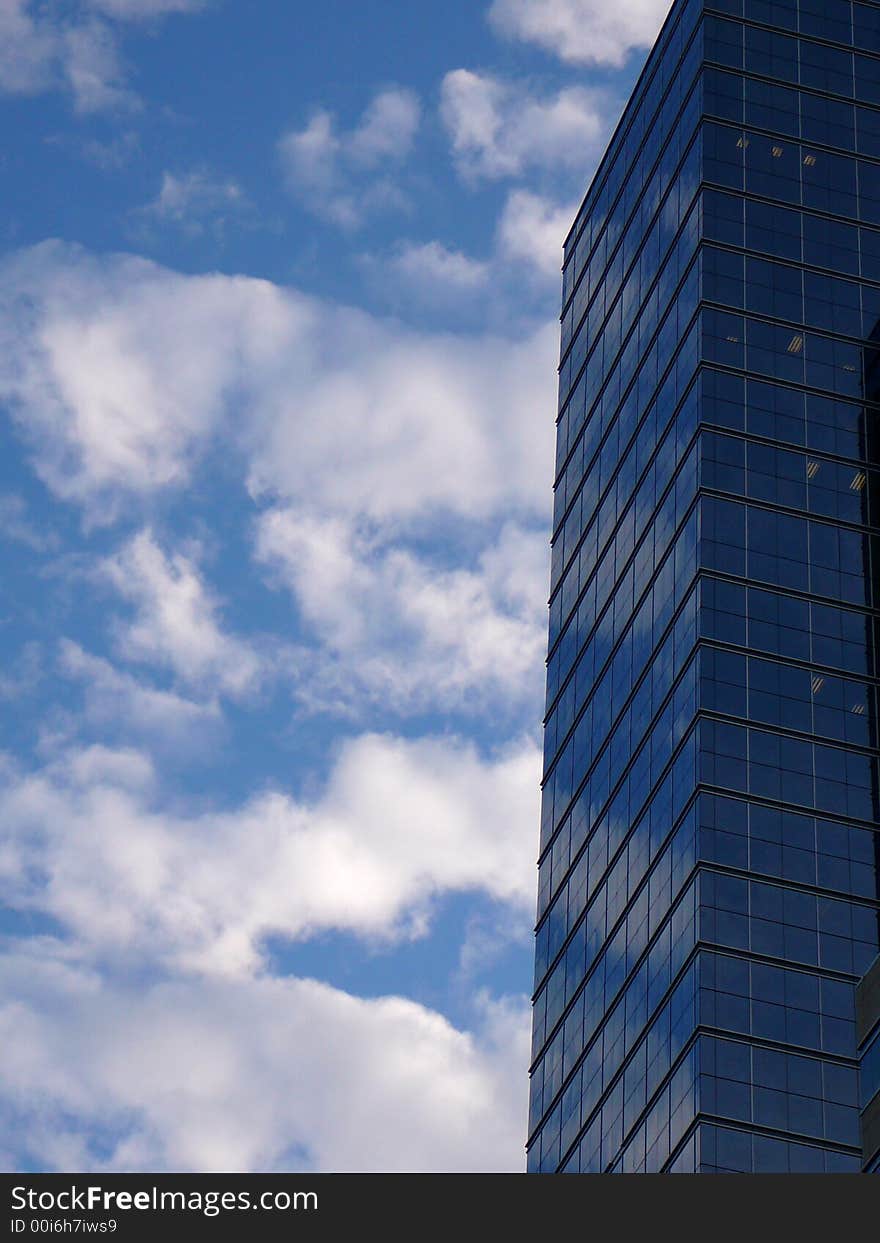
(433, 267)
(118, 699)
(257, 1075)
(582, 31)
(125, 378)
(120, 371)
(398, 823)
(339, 174)
(387, 129)
(532, 229)
(520, 276)
(406, 632)
(124, 375)
(28, 49)
(40, 54)
(41, 50)
(97, 765)
(94, 69)
(310, 154)
(489, 936)
(399, 424)
(193, 199)
(114, 154)
(498, 129)
(175, 622)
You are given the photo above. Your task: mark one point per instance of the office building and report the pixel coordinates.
(708, 878)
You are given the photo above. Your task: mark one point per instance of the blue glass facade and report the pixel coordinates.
(708, 874)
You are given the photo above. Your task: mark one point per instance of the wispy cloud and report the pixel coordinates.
(40, 53)
(117, 701)
(76, 50)
(176, 621)
(22, 675)
(111, 155)
(195, 201)
(94, 69)
(395, 628)
(29, 49)
(135, 10)
(16, 525)
(431, 265)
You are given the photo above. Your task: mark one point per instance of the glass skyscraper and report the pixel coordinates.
(708, 892)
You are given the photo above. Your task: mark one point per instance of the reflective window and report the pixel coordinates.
(708, 878)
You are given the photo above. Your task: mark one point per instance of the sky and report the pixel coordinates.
(279, 291)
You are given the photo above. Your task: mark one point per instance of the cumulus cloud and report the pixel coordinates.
(498, 129)
(251, 1075)
(581, 31)
(88, 842)
(343, 175)
(176, 619)
(152, 1036)
(123, 375)
(120, 371)
(399, 424)
(532, 230)
(409, 633)
(386, 130)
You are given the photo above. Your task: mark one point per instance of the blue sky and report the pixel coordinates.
(278, 316)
